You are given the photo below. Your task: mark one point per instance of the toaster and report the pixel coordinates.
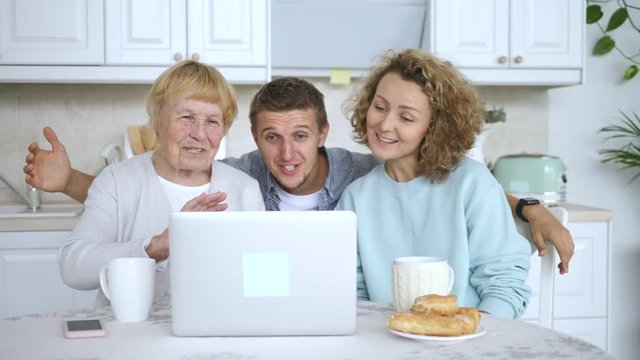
(532, 175)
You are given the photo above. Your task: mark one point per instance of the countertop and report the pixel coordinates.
(66, 223)
(577, 213)
(582, 213)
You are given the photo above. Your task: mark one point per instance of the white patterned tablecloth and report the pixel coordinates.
(40, 337)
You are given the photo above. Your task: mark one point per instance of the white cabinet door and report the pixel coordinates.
(228, 32)
(472, 33)
(217, 32)
(51, 32)
(583, 291)
(145, 32)
(30, 280)
(509, 33)
(546, 33)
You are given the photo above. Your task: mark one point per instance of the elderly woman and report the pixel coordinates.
(420, 115)
(190, 106)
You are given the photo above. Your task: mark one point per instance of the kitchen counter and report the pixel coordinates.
(39, 223)
(582, 213)
(577, 213)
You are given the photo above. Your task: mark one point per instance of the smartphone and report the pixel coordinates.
(83, 328)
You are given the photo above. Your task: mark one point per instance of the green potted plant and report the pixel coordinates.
(607, 43)
(628, 154)
(495, 115)
(492, 116)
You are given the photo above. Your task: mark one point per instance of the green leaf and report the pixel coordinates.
(617, 18)
(495, 115)
(594, 13)
(631, 72)
(627, 156)
(604, 45)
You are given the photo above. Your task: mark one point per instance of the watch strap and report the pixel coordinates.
(522, 203)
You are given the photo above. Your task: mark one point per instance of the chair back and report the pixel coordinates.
(547, 268)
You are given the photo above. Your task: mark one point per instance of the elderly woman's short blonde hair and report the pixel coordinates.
(457, 113)
(202, 82)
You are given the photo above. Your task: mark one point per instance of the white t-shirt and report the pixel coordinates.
(297, 202)
(178, 195)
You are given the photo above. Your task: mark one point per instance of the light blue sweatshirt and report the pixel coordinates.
(465, 219)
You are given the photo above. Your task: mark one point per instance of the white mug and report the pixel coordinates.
(128, 283)
(415, 276)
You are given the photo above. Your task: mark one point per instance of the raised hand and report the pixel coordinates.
(48, 170)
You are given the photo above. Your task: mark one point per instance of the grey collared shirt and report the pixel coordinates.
(344, 167)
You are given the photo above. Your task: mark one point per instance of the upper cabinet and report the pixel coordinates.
(51, 32)
(493, 42)
(145, 32)
(528, 42)
(231, 33)
(314, 37)
(136, 39)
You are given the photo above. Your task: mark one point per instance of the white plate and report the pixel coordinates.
(479, 332)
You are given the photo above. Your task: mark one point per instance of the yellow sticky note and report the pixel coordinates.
(340, 76)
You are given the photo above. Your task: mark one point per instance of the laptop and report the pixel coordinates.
(254, 273)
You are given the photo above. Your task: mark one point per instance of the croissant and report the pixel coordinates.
(438, 316)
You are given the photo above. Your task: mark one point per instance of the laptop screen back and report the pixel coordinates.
(263, 273)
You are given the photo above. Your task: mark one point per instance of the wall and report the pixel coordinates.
(88, 117)
(575, 115)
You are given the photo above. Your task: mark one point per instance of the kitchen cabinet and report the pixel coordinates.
(523, 42)
(221, 33)
(137, 40)
(29, 277)
(314, 38)
(581, 297)
(49, 32)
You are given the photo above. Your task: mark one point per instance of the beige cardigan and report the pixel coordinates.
(125, 207)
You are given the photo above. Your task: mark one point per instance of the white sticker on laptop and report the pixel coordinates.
(265, 274)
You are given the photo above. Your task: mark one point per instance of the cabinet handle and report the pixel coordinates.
(195, 57)
(502, 60)
(177, 57)
(518, 59)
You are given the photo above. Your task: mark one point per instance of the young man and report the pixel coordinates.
(294, 169)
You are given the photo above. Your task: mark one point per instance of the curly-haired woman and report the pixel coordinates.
(420, 115)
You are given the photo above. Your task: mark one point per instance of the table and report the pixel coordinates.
(40, 337)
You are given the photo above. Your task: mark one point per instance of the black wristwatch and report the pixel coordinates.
(525, 202)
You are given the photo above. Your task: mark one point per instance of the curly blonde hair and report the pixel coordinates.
(202, 81)
(457, 113)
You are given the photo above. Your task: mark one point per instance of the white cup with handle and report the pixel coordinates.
(415, 276)
(129, 283)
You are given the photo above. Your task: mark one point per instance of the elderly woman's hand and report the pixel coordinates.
(207, 202)
(158, 248)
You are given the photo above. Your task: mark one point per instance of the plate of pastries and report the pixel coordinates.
(437, 318)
